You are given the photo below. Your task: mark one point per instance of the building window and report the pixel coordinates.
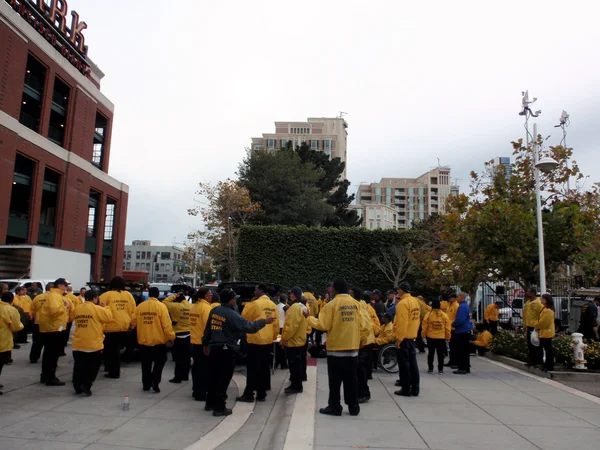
(110, 220)
(162, 267)
(99, 136)
(284, 143)
(258, 147)
(165, 255)
(137, 266)
(314, 144)
(128, 255)
(138, 255)
(49, 198)
(59, 112)
(20, 195)
(33, 93)
(92, 215)
(271, 143)
(128, 266)
(295, 143)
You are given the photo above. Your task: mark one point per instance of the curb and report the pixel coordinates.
(556, 375)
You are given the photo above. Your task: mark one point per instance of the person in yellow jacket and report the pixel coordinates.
(491, 314)
(260, 345)
(74, 303)
(293, 339)
(9, 323)
(154, 334)
(23, 301)
(366, 345)
(444, 304)
(436, 329)
(122, 306)
(546, 328)
(425, 308)
(483, 341)
(88, 342)
(313, 307)
(179, 310)
(386, 334)
(345, 325)
(406, 329)
(54, 316)
(199, 312)
(452, 309)
(37, 344)
(531, 315)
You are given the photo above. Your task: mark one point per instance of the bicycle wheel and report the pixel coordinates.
(387, 359)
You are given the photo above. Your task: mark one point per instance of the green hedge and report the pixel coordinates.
(291, 256)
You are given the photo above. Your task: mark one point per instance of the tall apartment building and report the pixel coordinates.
(164, 263)
(328, 135)
(411, 198)
(377, 216)
(504, 161)
(55, 134)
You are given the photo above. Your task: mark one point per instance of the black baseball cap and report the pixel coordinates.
(227, 295)
(62, 281)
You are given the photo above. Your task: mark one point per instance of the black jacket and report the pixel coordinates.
(225, 327)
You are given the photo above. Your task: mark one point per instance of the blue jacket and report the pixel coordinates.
(462, 324)
(392, 310)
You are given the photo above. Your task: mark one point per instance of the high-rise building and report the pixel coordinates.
(412, 198)
(502, 161)
(328, 135)
(55, 133)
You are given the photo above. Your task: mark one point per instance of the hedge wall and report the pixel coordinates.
(291, 256)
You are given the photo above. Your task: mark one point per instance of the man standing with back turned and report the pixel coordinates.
(406, 326)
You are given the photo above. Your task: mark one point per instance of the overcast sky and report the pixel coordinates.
(194, 80)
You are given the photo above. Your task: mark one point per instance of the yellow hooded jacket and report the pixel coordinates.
(344, 323)
(407, 319)
(425, 308)
(10, 323)
(294, 327)
(546, 323)
(491, 313)
(444, 305)
(180, 315)
(386, 335)
(261, 308)
(122, 307)
(89, 320)
(436, 325)
(24, 302)
(369, 338)
(199, 312)
(153, 324)
(374, 320)
(484, 339)
(312, 304)
(36, 307)
(54, 315)
(531, 312)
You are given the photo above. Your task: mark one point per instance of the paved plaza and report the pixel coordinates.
(495, 407)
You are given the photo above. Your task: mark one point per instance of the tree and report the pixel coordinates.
(286, 188)
(224, 208)
(393, 263)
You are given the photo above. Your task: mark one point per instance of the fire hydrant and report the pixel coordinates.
(579, 348)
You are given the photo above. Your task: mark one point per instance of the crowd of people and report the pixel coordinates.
(206, 328)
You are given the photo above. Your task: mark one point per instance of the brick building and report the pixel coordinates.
(55, 132)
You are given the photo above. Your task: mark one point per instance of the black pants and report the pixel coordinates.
(409, 369)
(463, 351)
(221, 363)
(258, 370)
(304, 362)
(419, 340)
(182, 353)
(493, 327)
(536, 354)
(53, 348)
(452, 360)
(85, 369)
(439, 346)
(546, 344)
(342, 370)
(66, 334)
(318, 337)
(21, 336)
(153, 361)
(4, 358)
(37, 344)
(112, 352)
(481, 351)
(280, 355)
(294, 362)
(361, 372)
(200, 372)
(369, 361)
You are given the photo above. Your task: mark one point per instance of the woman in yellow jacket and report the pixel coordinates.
(179, 310)
(545, 327)
(436, 329)
(293, 339)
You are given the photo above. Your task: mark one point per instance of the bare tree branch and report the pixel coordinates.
(394, 263)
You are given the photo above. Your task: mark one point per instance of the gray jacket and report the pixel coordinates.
(225, 327)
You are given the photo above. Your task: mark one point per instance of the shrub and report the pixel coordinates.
(563, 352)
(592, 355)
(511, 344)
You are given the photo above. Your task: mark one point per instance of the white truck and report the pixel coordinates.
(22, 265)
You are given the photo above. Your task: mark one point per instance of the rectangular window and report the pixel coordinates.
(271, 143)
(137, 266)
(284, 143)
(137, 255)
(327, 145)
(148, 267)
(20, 195)
(128, 266)
(49, 198)
(162, 267)
(92, 214)
(411, 191)
(165, 255)
(99, 135)
(314, 144)
(59, 112)
(295, 143)
(33, 93)
(110, 220)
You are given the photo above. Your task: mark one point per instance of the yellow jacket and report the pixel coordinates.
(374, 320)
(344, 323)
(74, 299)
(54, 315)
(444, 306)
(546, 323)
(386, 335)
(71, 307)
(484, 339)
(531, 312)
(24, 302)
(425, 308)
(294, 327)
(10, 323)
(261, 308)
(180, 315)
(436, 325)
(407, 319)
(36, 307)
(491, 313)
(153, 324)
(452, 309)
(199, 312)
(89, 321)
(369, 337)
(312, 304)
(122, 307)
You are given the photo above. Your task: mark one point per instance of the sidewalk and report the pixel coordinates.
(33, 416)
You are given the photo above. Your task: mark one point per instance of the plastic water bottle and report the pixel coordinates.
(125, 406)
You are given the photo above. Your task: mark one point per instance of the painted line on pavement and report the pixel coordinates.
(301, 432)
(549, 382)
(228, 426)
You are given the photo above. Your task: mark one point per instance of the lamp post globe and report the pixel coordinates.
(546, 164)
